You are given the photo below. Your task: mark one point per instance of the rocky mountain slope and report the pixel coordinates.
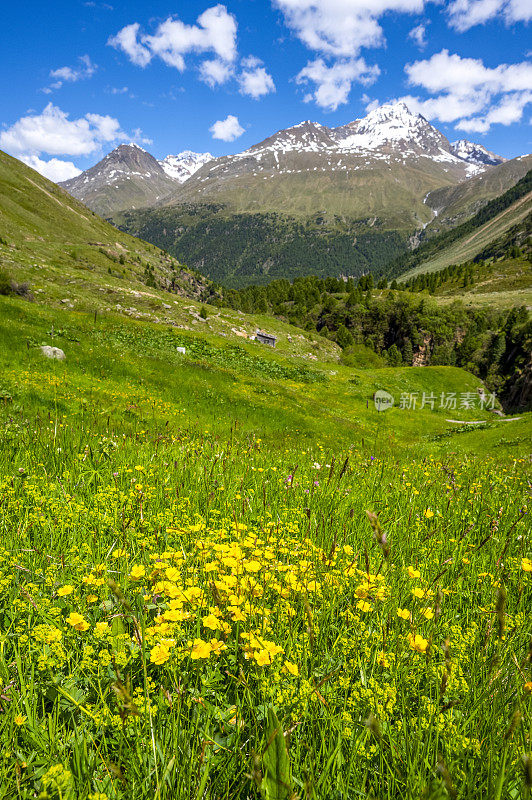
(380, 166)
(453, 205)
(182, 166)
(476, 153)
(129, 177)
(477, 233)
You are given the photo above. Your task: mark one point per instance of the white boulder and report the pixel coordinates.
(52, 352)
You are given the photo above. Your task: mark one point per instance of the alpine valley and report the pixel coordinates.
(344, 200)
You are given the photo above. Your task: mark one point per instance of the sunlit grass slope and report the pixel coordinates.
(131, 372)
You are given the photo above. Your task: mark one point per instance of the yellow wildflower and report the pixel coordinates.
(262, 657)
(252, 566)
(77, 621)
(418, 643)
(137, 572)
(200, 649)
(211, 622)
(159, 654)
(291, 668)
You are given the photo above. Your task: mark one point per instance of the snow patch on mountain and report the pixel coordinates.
(476, 153)
(181, 166)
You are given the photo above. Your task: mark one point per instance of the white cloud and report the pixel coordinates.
(333, 83)
(173, 39)
(452, 73)
(465, 14)
(254, 80)
(126, 40)
(54, 133)
(469, 93)
(54, 169)
(250, 62)
(418, 35)
(341, 27)
(215, 72)
(509, 110)
(227, 129)
(369, 104)
(71, 74)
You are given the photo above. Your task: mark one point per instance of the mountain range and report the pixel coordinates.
(296, 169)
(129, 177)
(352, 194)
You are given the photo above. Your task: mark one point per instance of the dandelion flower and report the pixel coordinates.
(403, 613)
(20, 720)
(64, 591)
(526, 564)
(414, 573)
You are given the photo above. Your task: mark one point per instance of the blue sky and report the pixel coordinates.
(84, 76)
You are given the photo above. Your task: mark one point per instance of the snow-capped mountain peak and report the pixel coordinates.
(475, 153)
(394, 126)
(181, 166)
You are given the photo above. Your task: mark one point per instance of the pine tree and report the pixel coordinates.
(408, 352)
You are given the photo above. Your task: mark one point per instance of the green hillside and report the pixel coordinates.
(480, 240)
(469, 238)
(242, 249)
(455, 204)
(393, 193)
(48, 238)
(75, 298)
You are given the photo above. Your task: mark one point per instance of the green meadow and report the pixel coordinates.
(226, 575)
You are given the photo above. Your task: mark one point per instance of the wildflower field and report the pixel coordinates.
(189, 617)
(224, 588)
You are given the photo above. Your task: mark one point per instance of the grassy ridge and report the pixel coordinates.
(47, 237)
(485, 226)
